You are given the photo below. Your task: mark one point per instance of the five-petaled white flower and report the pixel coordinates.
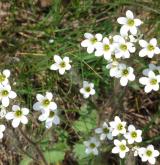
(152, 67)
(148, 154)
(4, 77)
(117, 126)
(133, 135)
(104, 131)
(5, 94)
(151, 82)
(91, 41)
(91, 146)
(88, 89)
(149, 49)
(44, 102)
(50, 117)
(123, 48)
(120, 148)
(61, 64)
(106, 48)
(126, 74)
(129, 24)
(2, 111)
(2, 129)
(18, 115)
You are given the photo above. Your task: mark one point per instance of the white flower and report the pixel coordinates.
(114, 69)
(5, 94)
(4, 77)
(44, 102)
(2, 112)
(2, 129)
(91, 41)
(129, 24)
(152, 67)
(51, 41)
(91, 146)
(117, 126)
(120, 148)
(151, 82)
(148, 154)
(126, 74)
(133, 135)
(149, 49)
(50, 117)
(87, 90)
(123, 48)
(104, 132)
(106, 49)
(17, 116)
(61, 64)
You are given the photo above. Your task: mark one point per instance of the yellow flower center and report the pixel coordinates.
(18, 113)
(51, 114)
(46, 102)
(134, 134)
(63, 64)
(149, 153)
(150, 47)
(119, 126)
(130, 22)
(153, 81)
(122, 147)
(93, 40)
(125, 72)
(5, 93)
(92, 145)
(106, 130)
(123, 47)
(106, 47)
(2, 78)
(87, 89)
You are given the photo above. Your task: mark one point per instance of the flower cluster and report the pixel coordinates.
(124, 138)
(122, 46)
(48, 109)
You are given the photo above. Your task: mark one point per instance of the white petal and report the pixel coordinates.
(152, 160)
(98, 130)
(5, 101)
(92, 92)
(15, 107)
(129, 14)
(37, 106)
(15, 122)
(48, 124)
(103, 136)
(156, 87)
(122, 20)
(54, 66)
(133, 30)
(131, 128)
(68, 67)
(151, 74)
(2, 128)
(143, 43)
(147, 88)
(98, 53)
(115, 150)
(39, 97)
(61, 71)
(53, 106)
(24, 120)
(56, 120)
(12, 95)
(25, 111)
(57, 59)
(7, 73)
(66, 59)
(90, 49)
(122, 154)
(9, 116)
(99, 36)
(123, 81)
(157, 50)
(138, 22)
(88, 35)
(143, 80)
(156, 153)
(124, 30)
(153, 41)
(85, 43)
(143, 52)
(1, 135)
(49, 96)
(43, 117)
